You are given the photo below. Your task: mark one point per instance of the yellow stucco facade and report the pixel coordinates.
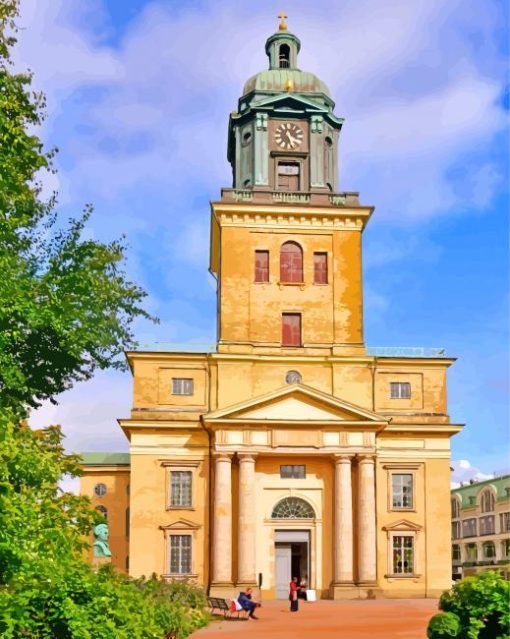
(276, 453)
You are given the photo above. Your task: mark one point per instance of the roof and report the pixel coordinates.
(498, 485)
(105, 459)
(277, 79)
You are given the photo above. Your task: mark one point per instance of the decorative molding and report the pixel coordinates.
(403, 525)
(403, 466)
(181, 524)
(182, 463)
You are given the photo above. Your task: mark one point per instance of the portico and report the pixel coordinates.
(335, 442)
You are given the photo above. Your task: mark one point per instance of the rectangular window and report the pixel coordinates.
(402, 491)
(291, 329)
(293, 472)
(262, 266)
(180, 488)
(505, 548)
(320, 268)
(127, 522)
(403, 554)
(182, 386)
(456, 552)
(469, 527)
(400, 390)
(455, 529)
(487, 525)
(504, 522)
(180, 554)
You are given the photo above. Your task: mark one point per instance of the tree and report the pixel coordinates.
(66, 305)
(66, 309)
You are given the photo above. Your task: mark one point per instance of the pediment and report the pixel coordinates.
(181, 524)
(289, 102)
(296, 403)
(403, 525)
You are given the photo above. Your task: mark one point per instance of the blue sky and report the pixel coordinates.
(139, 94)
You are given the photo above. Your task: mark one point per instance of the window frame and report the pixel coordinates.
(400, 386)
(292, 314)
(487, 493)
(98, 489)
(459, 548)
(504, 518)
(485, 546)
(170, 466)
(392, 534)
(402, 469)
(173, 473)
(470, 519)
(182, 379)
(469, 546)
(256, 273)
(181, 534)
(293, 466)
(456, 526)
(394, 474)
(325, 270)
(483, 522)
(300, 271)
(455, 510)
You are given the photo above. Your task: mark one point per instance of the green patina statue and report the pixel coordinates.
(101, 548)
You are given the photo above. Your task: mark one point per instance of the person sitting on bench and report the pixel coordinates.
(246, 603)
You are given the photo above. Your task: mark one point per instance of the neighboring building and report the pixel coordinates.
(481, 527)
(289, 448)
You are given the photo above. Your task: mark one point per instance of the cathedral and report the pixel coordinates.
(290, 448)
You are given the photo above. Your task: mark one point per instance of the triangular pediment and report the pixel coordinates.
(403, 525)
(296, 403)
(181, 524)
(289, 102)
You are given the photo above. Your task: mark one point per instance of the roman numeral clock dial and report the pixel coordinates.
(288, 136)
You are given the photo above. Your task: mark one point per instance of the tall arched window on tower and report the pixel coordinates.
(291, 262)
(284, 56)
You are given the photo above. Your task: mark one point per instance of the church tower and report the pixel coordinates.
(285, 243)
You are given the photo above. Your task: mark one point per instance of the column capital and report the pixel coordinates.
(343, 458)
(243, 457)
(365, 458)
(222, 456)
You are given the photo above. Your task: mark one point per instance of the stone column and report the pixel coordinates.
(343, 520)
(222, 525)
(246, 524)
(367, 558)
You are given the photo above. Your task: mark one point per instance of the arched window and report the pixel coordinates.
(103, 510)
(291, 262)
(487, 501)
(489, 551)
(471, 552)
(292, 508)
(455, 508)
(284, 56)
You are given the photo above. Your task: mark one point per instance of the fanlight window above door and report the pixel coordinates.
(292, 508)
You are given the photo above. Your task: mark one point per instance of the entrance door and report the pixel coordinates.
(283, 569)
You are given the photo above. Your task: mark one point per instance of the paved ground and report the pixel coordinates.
(372, 619)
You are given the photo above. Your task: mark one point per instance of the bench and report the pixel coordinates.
(217, 603)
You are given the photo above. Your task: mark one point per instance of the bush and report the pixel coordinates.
(481, 604)
(444, 624)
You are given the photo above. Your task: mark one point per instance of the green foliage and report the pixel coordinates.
(481, 603)
(444, 624)
(66, 305)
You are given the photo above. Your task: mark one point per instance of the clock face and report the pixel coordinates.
(288, 136)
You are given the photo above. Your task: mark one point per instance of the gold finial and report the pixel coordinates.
(283, 17)
(289, 85)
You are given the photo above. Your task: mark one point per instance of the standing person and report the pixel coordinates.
(293, 594)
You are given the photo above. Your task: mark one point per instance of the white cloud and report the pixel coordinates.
(464, 471)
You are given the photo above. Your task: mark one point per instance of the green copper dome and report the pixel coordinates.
(283, 75)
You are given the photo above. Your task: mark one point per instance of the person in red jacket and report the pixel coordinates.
(293, 594)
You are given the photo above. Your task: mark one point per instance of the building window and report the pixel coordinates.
(180, 488)
(262, 266)
(103, 510)
(180, 554)
(455, 529)
(403, 554)
(504, 522)
(320, 268)
(489, 551)
(284, 56)
(469, 527)
(455, 508)
(292, 508)
(182, 386)
(293, 377)
(456, 552)
(472, 500)
(127, 522)
(487, 501)
(291, 263)
(400, 390)
(288, 176)
(291, 329)
(100, 490)
(293, 471)
(471, 552)
(505, 548)
(487, 525)
(401, 491)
